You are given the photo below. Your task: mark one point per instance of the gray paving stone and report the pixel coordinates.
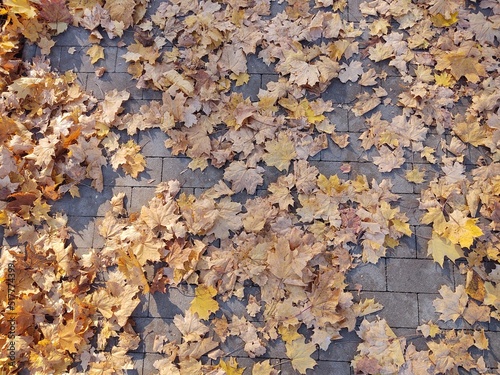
(150, 177)
(342, 93)
(73, 37)
(78, 61)
(91, 203)
(111, 81)
(427, 312)
(149, 328)
(423, 234)
(149, 360)
(431, 172)
(138, 360)
(55, 57)
(339, 117)
(172, 303)
(413, 337)
(237, 307)
(141, 197)
(400, 309)
(352, 153)
(150, 94)
(177, 169)
(408, 204)
(30, 51)
(82, 231)
(492, 356)
(354, 12)
(250, 89)
(266, 78)
(275, 349)
(142, 310)
(234, 347)
(407, 247)
(341, 350)
(256, 65)
(371, 171)
(417, 275)
(371, 276)
(329, 168)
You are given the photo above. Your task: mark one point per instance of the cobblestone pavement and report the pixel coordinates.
(406, 281)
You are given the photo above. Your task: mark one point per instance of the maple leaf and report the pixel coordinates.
(452, 305)
(190, 326)
(461, 65)
(440, 247)
(380, 349)
(231, 367)
(264, 368)
(121, 11)
(22, 7)
(389, 159)
(68, 338)
(350, 72)
(242, 177)
(415, 175)
(128, 156)
(203, 303)
(279, 152)
(95, 53)
(299, 353)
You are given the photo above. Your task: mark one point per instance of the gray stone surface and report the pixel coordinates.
(406, 281)
(417, 275)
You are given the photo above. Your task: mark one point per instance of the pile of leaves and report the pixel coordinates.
(315, 227)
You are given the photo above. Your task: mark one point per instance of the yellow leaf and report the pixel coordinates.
(441, 21)
(203, 303)
(264, 368)
(231, 367)
(415, 175)
(240, 79)
(480, 340)
(492, 297)
(21, 7)
(289, 333)
(452, 305)
(461, 65)
(401, 226)
(279, 152)
(444, 79)
(438, 247)
(95, 53)
(300, 354)
(68, 337)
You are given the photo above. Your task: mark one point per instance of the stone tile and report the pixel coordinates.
(427, 312)
(234, 345)
(371, 171)
(138, 360)
(431, 172)
(407, 247)
(149, 360)
(78, 61)
(339, 117)
(417, 275)
(256, 65)
(423, 234)
(400, 309)
(352, 153)
(275, 349)
(150, 94)
(150, 177)
(82, 231)
(30, 51)
(141, 197)
(370, 276)
(91, 203)
(329, 168)
(177, 169)
(492, 356)
(250, 89)
(149, 328)
(409, 205)
(341, 350)
(55, 57)
(111, 81)
(121, 65)
(142, 310)
(343, 93)
(354, 12)
(413, 337)
(237, 307)
(266, 78)
(172, 303)
(73, 37)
